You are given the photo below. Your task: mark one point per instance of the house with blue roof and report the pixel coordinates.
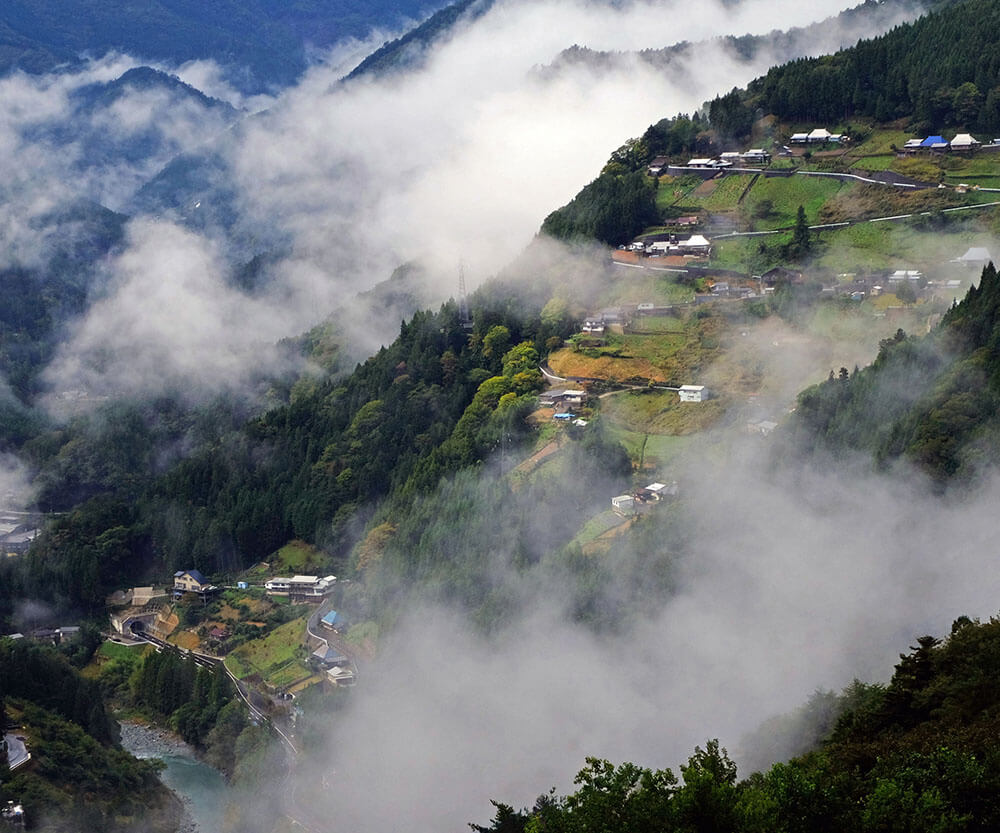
(327, 657)
(191, 581)
(934, 143)
(332, 621)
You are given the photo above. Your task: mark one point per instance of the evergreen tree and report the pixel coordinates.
(801, 240)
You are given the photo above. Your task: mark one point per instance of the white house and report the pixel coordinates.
(305, 587)
(693, 393)
(964, 142)
(977, 256)
(820, 134)
(699, 163)
(660, 491)
(799, 138)
(341, 675)
(623, 504)
(696, 244)
(763, 427)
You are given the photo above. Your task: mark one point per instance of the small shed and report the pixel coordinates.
(340, 676)
(657, 165)
(660, 491)
(693, 393)
(623, 504)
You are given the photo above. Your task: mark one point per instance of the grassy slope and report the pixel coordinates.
(277, 657)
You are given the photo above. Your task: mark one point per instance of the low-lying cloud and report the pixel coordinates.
(789, 583)
(169, 319)
(458, 160)
(462, 158)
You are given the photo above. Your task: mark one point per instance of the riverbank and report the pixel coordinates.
(201, 789)
(146, 740)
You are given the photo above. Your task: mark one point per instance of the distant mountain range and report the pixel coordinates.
(264, 43)
(864, 20)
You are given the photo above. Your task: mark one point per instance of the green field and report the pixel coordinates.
(880, 162)
(658, 324)
(296, 557)
(982, 180)
(881, 142)
(638, 286)
(660, 412)
(654, 450)
(275, 656)
(724, 195)
(898, 245)
(786, 194)
(597, 526)
(116, 650)
(673, 191)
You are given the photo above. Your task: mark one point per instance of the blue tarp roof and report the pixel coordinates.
(933, 140)
(331, 617)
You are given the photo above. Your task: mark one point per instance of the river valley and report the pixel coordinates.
(201, 788)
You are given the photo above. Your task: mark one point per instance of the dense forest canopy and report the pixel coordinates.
(941, 70)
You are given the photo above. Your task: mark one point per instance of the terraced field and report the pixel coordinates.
(785, 195)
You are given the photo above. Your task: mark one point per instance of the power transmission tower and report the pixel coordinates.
(463, 303)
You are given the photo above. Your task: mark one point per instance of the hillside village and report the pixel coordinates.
(887, 230)
(657, 360)
(660, 359)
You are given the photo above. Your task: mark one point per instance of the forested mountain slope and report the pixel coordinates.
(931, 400)
(79, 777)
(407, 51)
(941, 69)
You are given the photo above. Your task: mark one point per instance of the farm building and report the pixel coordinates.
(300, 588)
(331, 621)
(623, 504)
(964, 142)
(693, 393)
